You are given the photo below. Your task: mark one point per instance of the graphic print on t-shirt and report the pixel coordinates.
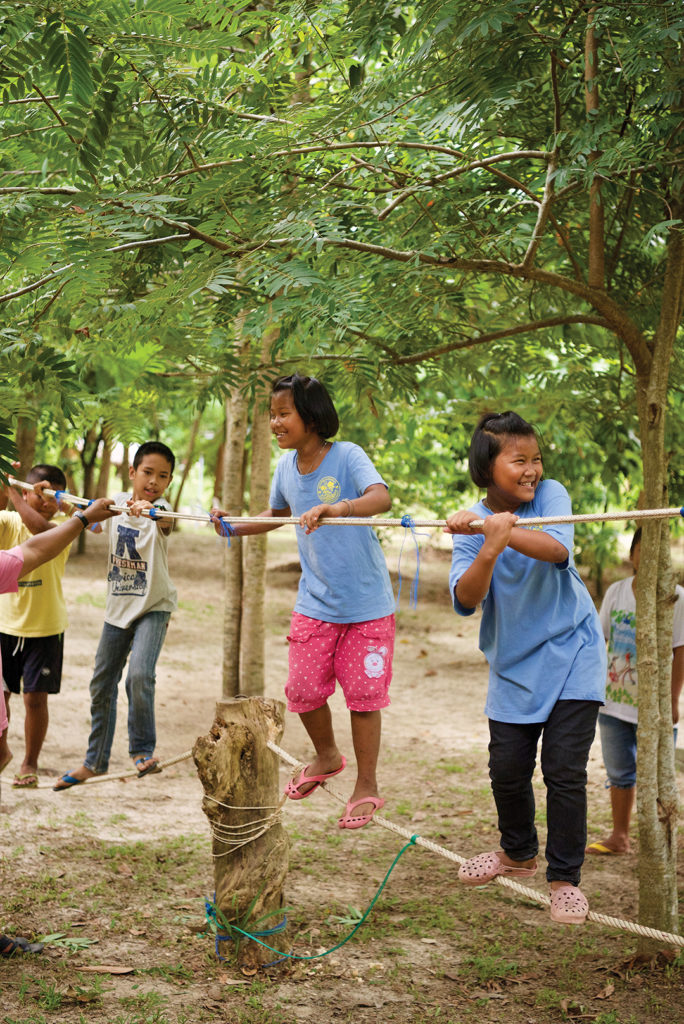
(621, 685)
(328, 489)
(128, 571)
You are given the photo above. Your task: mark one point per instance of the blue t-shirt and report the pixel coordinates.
(344, 573)
(540, 631)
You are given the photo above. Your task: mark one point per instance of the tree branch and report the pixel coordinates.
(505, 332)
(116, 248)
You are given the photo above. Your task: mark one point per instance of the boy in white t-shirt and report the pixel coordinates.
(140, 599)
(618, 719)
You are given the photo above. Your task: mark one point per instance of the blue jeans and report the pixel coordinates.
(566, 736)
(619, 749)
(143, 640)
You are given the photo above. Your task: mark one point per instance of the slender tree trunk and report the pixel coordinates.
(189, 456)
(252, 648)
(102, 488)
(91, 442)
(26, 444)
(657, 801)
(237, 411)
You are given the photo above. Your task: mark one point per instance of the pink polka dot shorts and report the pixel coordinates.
(356, 654)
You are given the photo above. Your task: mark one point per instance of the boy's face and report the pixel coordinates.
(150, 477)
(44, 506)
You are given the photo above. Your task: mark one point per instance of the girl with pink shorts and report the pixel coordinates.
(342, 626)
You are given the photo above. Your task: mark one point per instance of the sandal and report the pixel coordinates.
(25, 780)
(569, 905)
(152, 766)
(293, 790)
(68, 781)
(349, 820)
(485, 866)
(8, 947)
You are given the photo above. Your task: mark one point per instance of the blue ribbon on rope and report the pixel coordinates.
(59, 495)
(408, 523)
(227, 529)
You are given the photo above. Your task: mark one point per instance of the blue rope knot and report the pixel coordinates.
(227, 529)
(681, 512)
(59, 495)
(409, 523)
(152, 512)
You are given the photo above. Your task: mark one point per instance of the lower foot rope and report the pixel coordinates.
(537, 897)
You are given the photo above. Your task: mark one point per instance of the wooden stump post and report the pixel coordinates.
(240, 778)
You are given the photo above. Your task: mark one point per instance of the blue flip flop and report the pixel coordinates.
(69, 780)
(151, 769)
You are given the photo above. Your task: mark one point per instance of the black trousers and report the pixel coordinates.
(566, 738)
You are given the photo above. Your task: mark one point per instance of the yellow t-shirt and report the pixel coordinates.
(39, 608)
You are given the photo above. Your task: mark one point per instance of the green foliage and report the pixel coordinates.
(357, 187)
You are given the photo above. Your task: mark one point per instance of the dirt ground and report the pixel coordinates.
(119, 871)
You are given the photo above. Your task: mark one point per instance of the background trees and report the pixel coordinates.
(439, 208)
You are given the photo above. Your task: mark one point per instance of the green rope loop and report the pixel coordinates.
(316, 956)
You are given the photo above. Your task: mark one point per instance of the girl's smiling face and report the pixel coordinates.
(516, 471)
(287, 425)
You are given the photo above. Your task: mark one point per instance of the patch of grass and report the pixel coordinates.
(94, 600)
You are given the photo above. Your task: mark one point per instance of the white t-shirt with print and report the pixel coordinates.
(138, 578)
(618, 619)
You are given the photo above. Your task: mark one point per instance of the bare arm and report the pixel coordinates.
(475, 581)
(375, 499)
(31, 519)
(44, 546)
(247, 529)
(537, 544)
(677, 680)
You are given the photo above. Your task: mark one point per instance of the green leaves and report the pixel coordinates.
(67, 52)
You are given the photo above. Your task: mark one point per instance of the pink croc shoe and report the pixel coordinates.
(351, 820)
(486, 866)
(293, 790)
(569, 905)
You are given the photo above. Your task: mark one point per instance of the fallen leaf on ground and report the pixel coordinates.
(107, 969)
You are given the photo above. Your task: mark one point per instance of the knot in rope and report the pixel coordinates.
(227, 529)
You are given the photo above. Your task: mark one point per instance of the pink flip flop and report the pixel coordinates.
(349, 820)
(293, 788)
(569, 905)
(486, 866)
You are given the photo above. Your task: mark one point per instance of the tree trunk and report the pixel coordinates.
(189, 455)
(657, 785)
(232, 502)
(252, 652)
(91, 442)
(26, 445)
(240, 779)
(102, 488)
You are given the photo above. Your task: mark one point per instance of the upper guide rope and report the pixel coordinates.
(590, 517)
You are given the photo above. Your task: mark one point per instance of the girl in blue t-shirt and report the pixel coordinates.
(542, 638)
(343, 621)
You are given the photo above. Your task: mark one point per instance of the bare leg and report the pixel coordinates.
(318, 725)
(366, 728)
(5, 752)
(35, 729)
(621, 804)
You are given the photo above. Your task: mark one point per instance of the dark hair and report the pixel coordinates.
(312, 402)
(488, 439)
(636, 539)
(53, 475)
(154, 448)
